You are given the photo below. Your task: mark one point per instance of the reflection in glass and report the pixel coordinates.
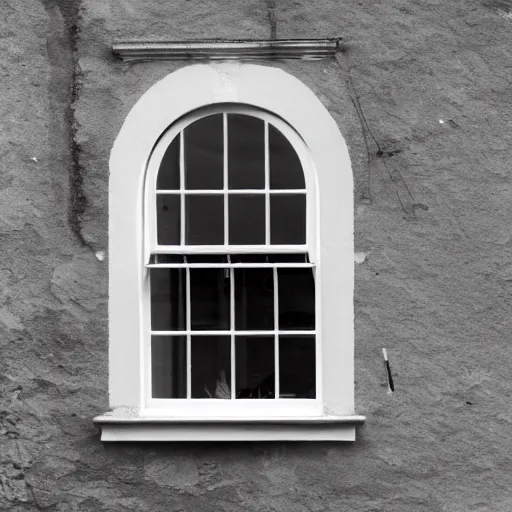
(296, 290)
(204, 154)
(285, 167)
(209, 298)
(288, 219)
(246, 219)
(254, 299)
(168, 219)
(204, 220)
(246, 152)
(297, 367)
(168, 367)
(255, 376)
(168, 299)
(169, 171)
(211, 367)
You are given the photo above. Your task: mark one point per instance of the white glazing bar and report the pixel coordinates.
(245, 191)
(232, 327)
(230, 265)
(225, 187)
(182, 187)
(189, 338)
(267, 186)
(272, 332)
(276, 335)
(233, 249)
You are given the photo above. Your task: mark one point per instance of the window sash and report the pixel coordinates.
(232, 332)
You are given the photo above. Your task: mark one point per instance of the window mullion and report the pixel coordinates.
(182, 187)
(225, 188)
(267, 186)
(276, 335)
(232, 329)
(189, 338)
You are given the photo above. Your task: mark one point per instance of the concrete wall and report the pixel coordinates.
(433, 214)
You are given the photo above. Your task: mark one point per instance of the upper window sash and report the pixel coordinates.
(151, 245)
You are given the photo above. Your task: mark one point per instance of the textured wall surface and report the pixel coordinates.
(433, 215)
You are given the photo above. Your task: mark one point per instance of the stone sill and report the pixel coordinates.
(321, 428)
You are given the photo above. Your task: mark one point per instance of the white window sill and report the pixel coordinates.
(117, 427)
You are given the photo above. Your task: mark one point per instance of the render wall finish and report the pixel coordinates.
(433, 215)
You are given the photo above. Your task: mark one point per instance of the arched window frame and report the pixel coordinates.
(330, 241)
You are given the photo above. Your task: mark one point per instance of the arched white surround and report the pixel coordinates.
(179, 93)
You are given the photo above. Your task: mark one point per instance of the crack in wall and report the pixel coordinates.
(377, 158)
(62, 45)
(271, 14)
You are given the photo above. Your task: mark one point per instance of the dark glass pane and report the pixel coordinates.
(204, 220)
(204, 154)
(166, 258)
(211, 367)
(255, 375)
(168, 367)
(297, 366)
(288, 258)
(254, 299)
(246, 219)
(296, 298)
(246, 152)
(169, 171)
(207, 258)
(288, 219)
(249, 258)
(209, 298)
(168, 299)
(285, 167)
(168, 219)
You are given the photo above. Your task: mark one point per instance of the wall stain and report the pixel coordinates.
(62, 45)
(271, 14)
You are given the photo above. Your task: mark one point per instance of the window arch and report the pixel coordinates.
(169, 108)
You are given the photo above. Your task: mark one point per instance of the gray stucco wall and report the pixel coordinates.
(433, 214)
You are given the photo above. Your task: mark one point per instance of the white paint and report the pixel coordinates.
(275, 91)
(360, 257)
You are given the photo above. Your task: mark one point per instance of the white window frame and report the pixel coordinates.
(323, 152)
(244, 407)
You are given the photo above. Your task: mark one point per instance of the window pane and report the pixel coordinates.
(255, 374)
(204, 154)
(168, 299)
(285, 167)
(168, 367)
(297, 367)
(247, 219)
(211, 367)
(209, 298)
(288, 219)
(296, 298)
(169, 171)
(254, 299)
(168, 219)
(246, 152)
(204, 220)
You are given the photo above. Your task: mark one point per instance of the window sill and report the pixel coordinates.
(121, 428)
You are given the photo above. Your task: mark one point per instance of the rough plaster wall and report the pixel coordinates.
(432, 213)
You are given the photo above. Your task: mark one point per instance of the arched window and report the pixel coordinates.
(230, 234)
(230, 263)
